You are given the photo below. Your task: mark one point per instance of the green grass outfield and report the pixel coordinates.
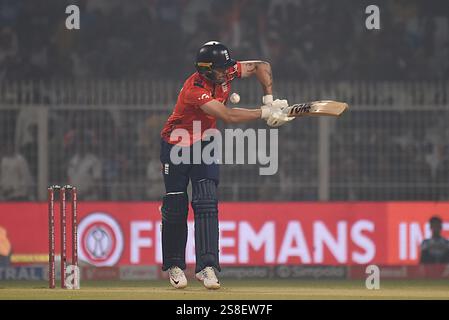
(231, 289)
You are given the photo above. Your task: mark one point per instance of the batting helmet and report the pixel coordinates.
(214, 56)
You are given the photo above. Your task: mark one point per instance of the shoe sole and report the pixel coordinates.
(209, 288)
(212, 288)
(177, 286)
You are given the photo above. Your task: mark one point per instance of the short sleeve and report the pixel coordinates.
(197, 96)
(238, 67)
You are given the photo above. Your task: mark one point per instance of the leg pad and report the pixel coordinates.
(175, 207)
(205, 207)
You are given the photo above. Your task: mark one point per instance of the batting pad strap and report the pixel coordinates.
(175, 207)
(208, 207)
(204, 197)
(204, 189)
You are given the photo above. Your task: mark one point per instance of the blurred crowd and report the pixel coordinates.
(403, 156)
(114, 155)
(107, 155)
(303, 39)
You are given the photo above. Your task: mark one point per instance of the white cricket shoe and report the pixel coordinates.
(177, 278)
(207, 275)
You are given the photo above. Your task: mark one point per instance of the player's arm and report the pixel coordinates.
(272, 113)
(218, 110)
(262, 71)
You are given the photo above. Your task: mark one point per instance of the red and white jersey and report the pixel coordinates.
(195, 92)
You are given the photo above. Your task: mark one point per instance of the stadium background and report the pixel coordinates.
(106, 89)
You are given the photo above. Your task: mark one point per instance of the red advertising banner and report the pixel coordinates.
(253, 233)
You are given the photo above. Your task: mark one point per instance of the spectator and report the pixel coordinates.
(154, 180)
(8, 48)
(5, 248)
(15, 178)
(26, 127)
(435, 249)
(114, 164)
(85, 171)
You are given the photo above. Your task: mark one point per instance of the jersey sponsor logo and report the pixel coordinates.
(204, 96)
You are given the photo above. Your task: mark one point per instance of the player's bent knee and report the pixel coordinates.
(175, 207)
(204, 197)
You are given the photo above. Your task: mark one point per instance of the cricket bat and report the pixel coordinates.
(316, 108)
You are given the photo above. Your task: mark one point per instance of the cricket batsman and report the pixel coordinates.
(203, 98)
